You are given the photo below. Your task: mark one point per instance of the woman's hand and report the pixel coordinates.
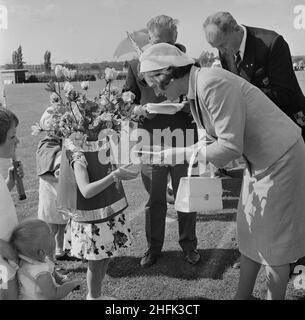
(142, 111)
(7, 252)
(123, 173)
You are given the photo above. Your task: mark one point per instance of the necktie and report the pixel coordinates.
(230, 59)
(238, 61)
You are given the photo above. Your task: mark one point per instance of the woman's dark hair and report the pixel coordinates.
(7, 120)
(163, 77)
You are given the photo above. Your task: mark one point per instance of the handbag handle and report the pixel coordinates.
(193, 158)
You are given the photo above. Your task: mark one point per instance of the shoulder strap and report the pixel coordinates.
(199, 114)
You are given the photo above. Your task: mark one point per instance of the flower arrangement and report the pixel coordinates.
(73, 112)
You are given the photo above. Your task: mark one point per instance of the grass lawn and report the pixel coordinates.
(171, 278)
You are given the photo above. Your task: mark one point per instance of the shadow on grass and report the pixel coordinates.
(213, 264)
(193, 298)
(216, 217)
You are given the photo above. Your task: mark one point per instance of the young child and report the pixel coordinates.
(98, 228)
(8, 217)
(34, 242)
(48, 159)
(48, 156)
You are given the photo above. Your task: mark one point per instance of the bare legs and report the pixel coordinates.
(247, 277)
(59, 231)
(276, 276)
(95, 274)
(277, 279)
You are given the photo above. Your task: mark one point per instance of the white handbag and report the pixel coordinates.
(198, 193)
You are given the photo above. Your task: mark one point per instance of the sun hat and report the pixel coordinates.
(163, 55)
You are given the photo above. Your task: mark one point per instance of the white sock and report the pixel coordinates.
(89, 297)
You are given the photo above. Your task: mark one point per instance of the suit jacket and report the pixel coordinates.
(145, 94)
(242, 119)
(267, 64)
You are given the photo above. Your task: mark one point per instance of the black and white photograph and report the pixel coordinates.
(152, 150)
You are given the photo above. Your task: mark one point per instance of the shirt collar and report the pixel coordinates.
(243, 43)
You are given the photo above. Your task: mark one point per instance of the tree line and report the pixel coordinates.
(206, 59)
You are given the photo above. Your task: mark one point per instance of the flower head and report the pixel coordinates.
(46, 120)
(36, 129)
(128, 97)
(140, 111)
(69, 73)
(54, 98)
(72, 95)
(84, 85)
(110, 74)
(104, 101)
(68, 87)
(58, 71)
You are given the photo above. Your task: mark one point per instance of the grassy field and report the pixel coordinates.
(171, 277)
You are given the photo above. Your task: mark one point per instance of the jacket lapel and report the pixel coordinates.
(223, 61)
(247, 64)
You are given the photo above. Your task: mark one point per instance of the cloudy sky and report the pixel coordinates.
(89, 31)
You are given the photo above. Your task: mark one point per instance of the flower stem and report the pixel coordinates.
(70, 105)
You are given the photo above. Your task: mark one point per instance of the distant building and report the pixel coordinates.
(11, 76)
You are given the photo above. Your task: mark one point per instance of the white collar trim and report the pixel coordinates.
(243, 43)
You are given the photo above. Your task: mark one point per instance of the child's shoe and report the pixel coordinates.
(59, 253)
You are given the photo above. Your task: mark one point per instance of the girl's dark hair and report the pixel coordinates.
(7, 120)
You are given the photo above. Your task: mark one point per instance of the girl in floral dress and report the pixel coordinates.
(98, 228)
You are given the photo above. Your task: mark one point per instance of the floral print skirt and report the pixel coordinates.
(97, 241)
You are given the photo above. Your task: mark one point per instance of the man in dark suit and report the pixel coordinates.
(162, 29)
(260, 56)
